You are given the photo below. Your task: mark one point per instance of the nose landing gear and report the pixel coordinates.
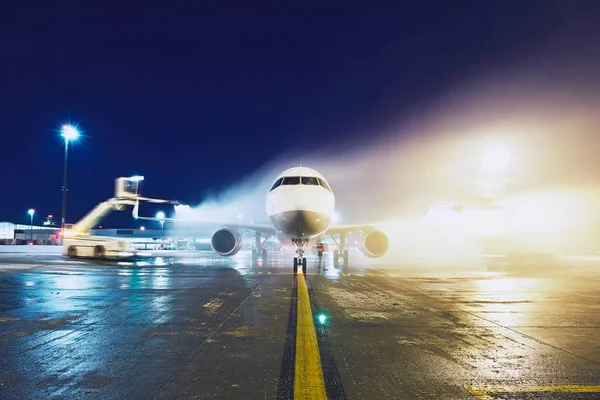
(300, 260)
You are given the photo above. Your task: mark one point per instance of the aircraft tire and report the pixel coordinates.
(345, 256)
(336, 256)
(263, 255)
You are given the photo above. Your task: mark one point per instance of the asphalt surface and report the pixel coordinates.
(207, 327)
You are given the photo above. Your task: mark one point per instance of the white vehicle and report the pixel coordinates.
(77, 243)
(300, 206)
(81, 246)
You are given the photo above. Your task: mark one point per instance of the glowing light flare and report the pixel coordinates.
(69, 132)
(496, 159)
(160, 215)
(336, 218)
(322, 318)
(31, 211)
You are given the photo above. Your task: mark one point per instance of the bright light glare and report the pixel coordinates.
(69, 132)
(31, 211)
(136, 178)
(495, 159)
(160, 215)
(142, 228)
(336, 217)
(322, 318)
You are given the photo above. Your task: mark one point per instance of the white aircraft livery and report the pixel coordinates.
(300, 205)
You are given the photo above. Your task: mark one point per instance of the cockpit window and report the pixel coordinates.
(277, 183)
(296, 180)
(310, 181)
(291, 180)
(324, 184)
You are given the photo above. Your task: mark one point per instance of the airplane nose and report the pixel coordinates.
(301, 223)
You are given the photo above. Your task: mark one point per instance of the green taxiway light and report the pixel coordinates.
(322, 318)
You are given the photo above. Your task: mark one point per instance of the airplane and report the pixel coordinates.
(300, 206)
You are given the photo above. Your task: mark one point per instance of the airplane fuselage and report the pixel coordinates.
(300, 204)
(300, 207)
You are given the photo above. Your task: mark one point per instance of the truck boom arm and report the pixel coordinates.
(123, 198)
(98, 213)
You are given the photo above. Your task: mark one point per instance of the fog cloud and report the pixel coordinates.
(544, 110)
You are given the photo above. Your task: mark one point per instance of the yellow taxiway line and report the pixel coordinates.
(487, 392)
(309, 382)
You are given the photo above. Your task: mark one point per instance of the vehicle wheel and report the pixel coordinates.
(295, 265)
(72, 252)
(304, 265)
(99, 252)
(263, 255)
(345, 257)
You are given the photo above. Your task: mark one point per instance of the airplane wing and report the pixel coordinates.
(266, 229)
(333, 230)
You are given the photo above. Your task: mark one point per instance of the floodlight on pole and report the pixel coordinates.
(31, 211)
(161, 217)
(69, 133)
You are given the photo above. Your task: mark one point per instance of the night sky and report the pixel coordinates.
(196, 95)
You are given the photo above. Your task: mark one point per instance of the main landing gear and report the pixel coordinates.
(336, 257)
(342, 252)
(256, 255)
(259, 252)
(300, 260)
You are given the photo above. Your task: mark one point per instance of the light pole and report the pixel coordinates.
(31, 212)
(69, 133)
(161, 217)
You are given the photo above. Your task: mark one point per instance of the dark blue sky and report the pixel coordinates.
(195, 95)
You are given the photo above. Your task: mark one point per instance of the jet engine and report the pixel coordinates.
(226, 242)
(374, 243)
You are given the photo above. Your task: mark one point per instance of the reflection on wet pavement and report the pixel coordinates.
(213, 327)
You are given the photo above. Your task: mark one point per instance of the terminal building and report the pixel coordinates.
(196, 238)
(11, 233)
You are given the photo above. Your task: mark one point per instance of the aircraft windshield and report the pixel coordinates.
(291, 180)
(310, 181)
(277, 183)
(296, 180)
(324, 184)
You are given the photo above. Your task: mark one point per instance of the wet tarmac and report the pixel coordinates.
(207, 327)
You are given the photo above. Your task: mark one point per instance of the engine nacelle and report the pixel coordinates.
(374, 243)
(226, 242)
